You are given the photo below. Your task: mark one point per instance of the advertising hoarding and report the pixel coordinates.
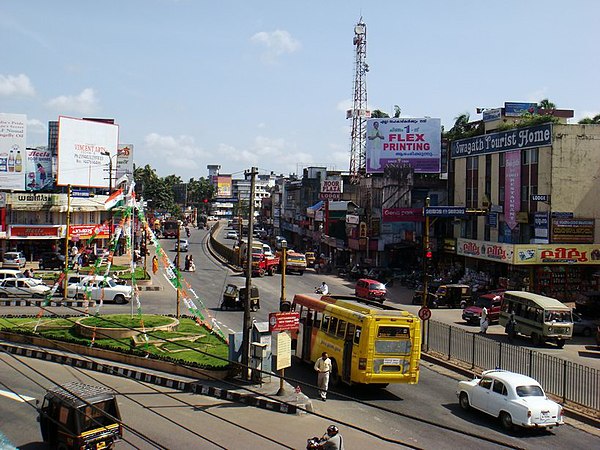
(517, 109)
(13, 133)
(414, 141)
(493, 251)
(224, 189)
(124, 162)
(81, 144)
(573, 231)
(38, 169)
(557, 254)
(403, 215)
(512, 190)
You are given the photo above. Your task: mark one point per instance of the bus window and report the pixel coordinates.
(317, 322)
(341, 329)
(325, 323)
(357, 335)
(557, 316)
(333, 325)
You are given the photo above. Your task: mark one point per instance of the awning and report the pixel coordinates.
(311, 210)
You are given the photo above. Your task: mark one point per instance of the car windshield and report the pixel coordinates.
(377, 286)
(530, 391)
(482, 301)
(557, 316)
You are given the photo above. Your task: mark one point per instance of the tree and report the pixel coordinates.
(546, 104)
(378, 114)
(590, 120)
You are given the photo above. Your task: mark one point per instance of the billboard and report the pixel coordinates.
(13, 130)
(124, 161)
(86, 151)
(38, 169)
(223, 186)
(516, 109)
(416, 142)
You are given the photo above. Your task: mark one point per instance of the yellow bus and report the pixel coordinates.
(368, 343)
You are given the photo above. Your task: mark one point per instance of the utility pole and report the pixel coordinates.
(178, 276)
(283, 304)
(425, 256)
(247, 322)
(66, 280)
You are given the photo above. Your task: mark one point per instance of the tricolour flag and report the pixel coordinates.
(115, 199)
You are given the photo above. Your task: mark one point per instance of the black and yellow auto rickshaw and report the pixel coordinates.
(452, 296)
(76, 415)
(235, 297)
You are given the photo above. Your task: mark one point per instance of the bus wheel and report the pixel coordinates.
(560, 343)
(334, 376)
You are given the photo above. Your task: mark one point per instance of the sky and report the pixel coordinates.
(266, 84)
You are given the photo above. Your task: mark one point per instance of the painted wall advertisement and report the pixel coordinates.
(485, 250)
(38, 169)
(512, 188)
(414, 141)
(13, 131)
(85, 152)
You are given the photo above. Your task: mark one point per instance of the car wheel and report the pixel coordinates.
(560, 343)
(463, 304)
(506, 421)
(119, 299)
(301, 272)
(463, 401)
(587, 332)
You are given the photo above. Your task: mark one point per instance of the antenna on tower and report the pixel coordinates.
(359, 113)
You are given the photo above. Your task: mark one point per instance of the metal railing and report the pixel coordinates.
(570, 381)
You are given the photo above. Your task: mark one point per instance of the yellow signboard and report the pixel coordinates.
(284, 350)
(557, 254)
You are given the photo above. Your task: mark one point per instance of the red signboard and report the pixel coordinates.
(283, 321)
(87, 231)
(31, 231)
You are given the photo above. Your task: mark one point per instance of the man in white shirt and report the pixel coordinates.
(483, 321)
(323, 368)
(324, 288)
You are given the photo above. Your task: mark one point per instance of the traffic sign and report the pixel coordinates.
(282, 321)
(424, 313)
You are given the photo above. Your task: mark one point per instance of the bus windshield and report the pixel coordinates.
(557, 316)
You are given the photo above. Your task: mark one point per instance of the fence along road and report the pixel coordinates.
(571, 382)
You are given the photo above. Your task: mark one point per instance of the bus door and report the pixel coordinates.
(307, 335)
(347, 358)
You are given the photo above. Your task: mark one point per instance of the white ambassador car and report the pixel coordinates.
(100, 287)
(514, 398)
(23, 288)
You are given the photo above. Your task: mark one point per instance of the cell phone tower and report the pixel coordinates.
(359, 112)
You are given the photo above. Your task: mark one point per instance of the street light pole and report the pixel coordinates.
(177, 269)
(283, 304)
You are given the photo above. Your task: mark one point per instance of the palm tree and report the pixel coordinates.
(590, 120)
(546, 104)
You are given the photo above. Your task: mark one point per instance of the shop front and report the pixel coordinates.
(33, 240)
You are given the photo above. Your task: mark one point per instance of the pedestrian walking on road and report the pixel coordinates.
(154, 265)
(323, 368)
(483, 321)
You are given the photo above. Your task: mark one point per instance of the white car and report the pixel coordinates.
(183, 245)
(23, 288)
(14, 259)
(514, 398)
(231, 235)
(100, 287)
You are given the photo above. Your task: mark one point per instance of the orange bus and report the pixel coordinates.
(368, 343)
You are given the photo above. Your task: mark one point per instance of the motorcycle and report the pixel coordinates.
(314, 443)
(187, 231)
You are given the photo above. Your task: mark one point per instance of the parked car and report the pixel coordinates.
(52, 260)
(14, 259)
(370, 289)
(100, 287)
(11, 273)
(232, 235)
(583, 327)
(183, 245)
(517, 400)
(22, 288)
(492, 303)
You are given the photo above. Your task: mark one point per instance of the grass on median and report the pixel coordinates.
(190, 344)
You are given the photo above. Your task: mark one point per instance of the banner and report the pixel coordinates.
(557, 254)
(38, 169)
(416, 142)
(493, 251)
(124, 162)
(13, 128)
(512, 188)
(87, 231)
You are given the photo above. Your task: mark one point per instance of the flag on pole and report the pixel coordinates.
(115, 199)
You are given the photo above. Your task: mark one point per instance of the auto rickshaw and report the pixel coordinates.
(452, 296)
(235, 297)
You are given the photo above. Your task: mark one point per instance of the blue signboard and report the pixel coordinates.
(503, 141)
(493, 220)
(516, 109)
(562, 215)
(80, 193)
(492, 114)
(445, 211)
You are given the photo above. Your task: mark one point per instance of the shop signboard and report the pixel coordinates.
(352, 219)
(36, 231)
(540, 224)
(13, 132)
(492, 114)
(562, 215)
(572, 231)
(492, 219)
(22, 200)
(492, 251)
(403, 215)
(413, 141)
(444, 211)
(87, 231)
(512, 190)
(124, 161)
(546, 254)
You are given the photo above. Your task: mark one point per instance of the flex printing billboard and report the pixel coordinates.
(224, 188)
(86, 151)
(415, 141)
(13, 130)
(38, 169)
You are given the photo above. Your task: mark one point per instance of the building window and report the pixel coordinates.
(471, 184)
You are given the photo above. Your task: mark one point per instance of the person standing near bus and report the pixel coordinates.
(323, 368)
(483, 321)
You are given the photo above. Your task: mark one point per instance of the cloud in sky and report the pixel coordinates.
(16, 85)
(276, 43)
(36, 126)
(179, 152)
(84, 103)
